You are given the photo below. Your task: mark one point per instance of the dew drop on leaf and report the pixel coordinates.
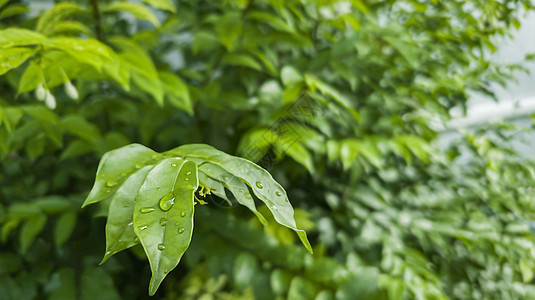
(225, 177)
(143, 227)
(181, 230)
(248, 196)
(186, 179)
(259, 184)
(146, 210)
(136, 240)
(111, 183)
(188, 173)
(167, 201)
(138, 166)
(163, 221)
(183, 213)
(161, 247)
(278, 193)
(189, 186)
(173, 165)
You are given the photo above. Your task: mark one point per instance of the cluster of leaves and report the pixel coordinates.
(342, 95)
(152, 197)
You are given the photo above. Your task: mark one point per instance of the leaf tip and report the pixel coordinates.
(107, 255)
(303, 237)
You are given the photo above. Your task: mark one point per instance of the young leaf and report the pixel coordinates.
(261, 182)
(12, 37)
(214, 187)
(56, 14)
(113, 168)
(31, 228)
(163, 215)
(139, 11)
(162, 4)
(119, 227)
(237, 187)
(176, 91)
(13, 57)
(64, 227)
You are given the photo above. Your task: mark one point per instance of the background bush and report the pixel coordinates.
(341, 101)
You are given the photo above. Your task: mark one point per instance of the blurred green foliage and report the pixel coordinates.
(337, 99)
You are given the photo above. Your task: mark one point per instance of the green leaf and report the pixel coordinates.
(338, 97)
(138, 10)
(163, 215)
(290, 76)
(271, 20)
(66, 27)
(97, 284)
(29, 231)
(12, 37)
(60, 11)
(261, 182)
(144, 74)
(301, 288)
(214, 187)
(242, 60)
(80, 127)
(119, 227)
(235, 186)
(113, 168)
(162, 4)
(67, 288)
(13, 10)
(11, 58)
(64, 227)
(176, 91)
(31, 78)
(53, 204)
(245, 270)
(229, 29)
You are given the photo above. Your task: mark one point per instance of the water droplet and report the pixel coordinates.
(183, 213)
(136, 240)
(108, 253)
(188, 173)
(259, 184)
(131, 223)
(248, 196)
(225, 177)
(286, 200)
(108, 190)
(138, 166)
(161, 247)
(189, 186)
(163, 221)
(167, 201)
(154, 156)
(166, 272)
(146, 210)
(278, 193)
(111, 183)
(173, 165)
(180, 230)
(123, 174)
(186, 179)
(143, 227)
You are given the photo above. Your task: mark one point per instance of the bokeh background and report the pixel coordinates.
(401, 130)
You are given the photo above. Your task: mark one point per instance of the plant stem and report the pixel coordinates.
(98, 23)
